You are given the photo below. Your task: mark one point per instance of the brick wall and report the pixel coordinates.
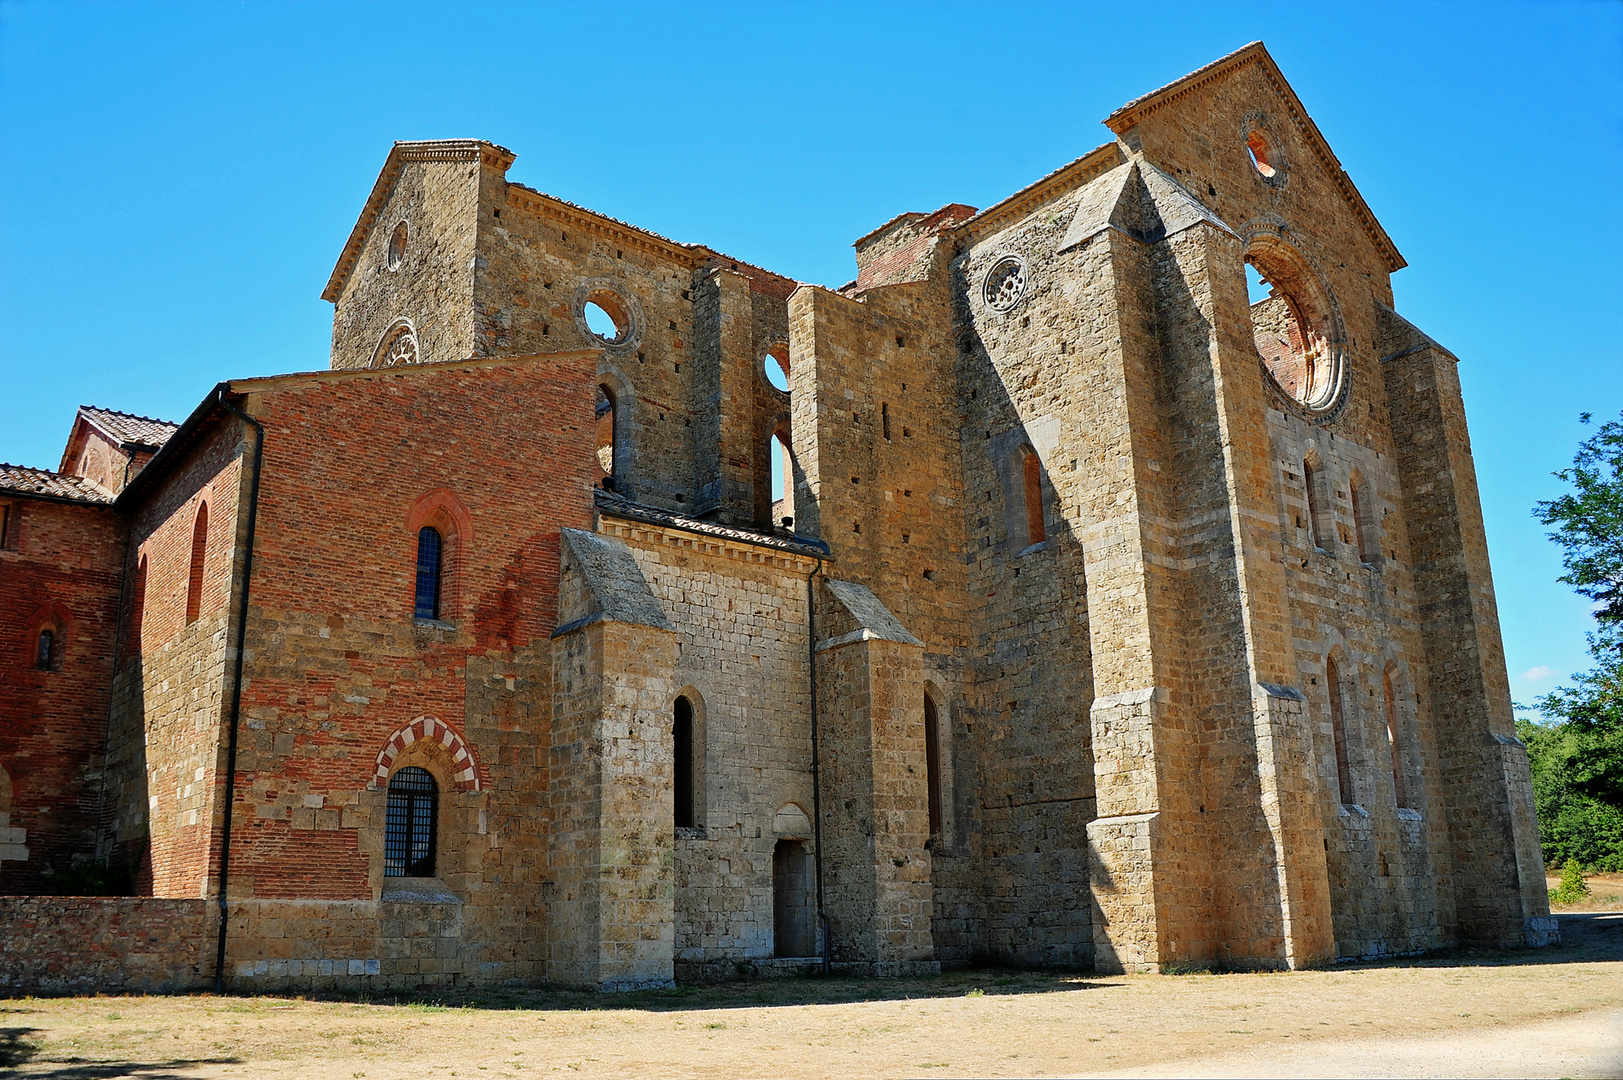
(72, 945)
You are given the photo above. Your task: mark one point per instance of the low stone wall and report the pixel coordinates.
(85, 944)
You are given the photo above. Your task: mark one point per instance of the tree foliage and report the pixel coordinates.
(1577, 755)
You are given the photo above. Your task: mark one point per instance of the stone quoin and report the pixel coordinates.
(1104, 619)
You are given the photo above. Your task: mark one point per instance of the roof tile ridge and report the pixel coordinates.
(130, 416)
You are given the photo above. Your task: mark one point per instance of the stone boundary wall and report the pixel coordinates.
(73, 944)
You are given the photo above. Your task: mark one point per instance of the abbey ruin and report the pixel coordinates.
(1105, 617)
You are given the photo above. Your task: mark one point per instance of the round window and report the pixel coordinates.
(607, 315)
(1005, 283)
(397, 246)
(777, 370)
(1295, 329)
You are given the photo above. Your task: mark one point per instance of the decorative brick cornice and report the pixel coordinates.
(1130, 114)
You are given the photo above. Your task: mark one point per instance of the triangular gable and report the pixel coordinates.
(1132, 113)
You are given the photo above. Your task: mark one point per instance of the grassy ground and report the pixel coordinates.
(966, 1023)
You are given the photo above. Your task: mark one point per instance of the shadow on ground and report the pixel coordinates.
(17, 1049)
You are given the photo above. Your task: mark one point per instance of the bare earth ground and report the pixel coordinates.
(1551, 1012)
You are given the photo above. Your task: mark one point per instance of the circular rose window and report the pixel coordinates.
(1296, 329)
(1005, 283)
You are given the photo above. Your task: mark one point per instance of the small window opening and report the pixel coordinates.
(792, 933)
(5, 527)
(430, 548)
(409, 824)
(1031, 469)
(884, 420)
(45, 651)
(1256, 146)
(1338, 730)
(777, 370)
(600, 322)
(607, 317)
(194, 578)
(932, 765)
(683, 732)
(397, 246)
(607, 419)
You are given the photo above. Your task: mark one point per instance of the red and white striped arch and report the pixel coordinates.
(466, 777)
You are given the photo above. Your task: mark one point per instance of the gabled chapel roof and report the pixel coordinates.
(128, 430)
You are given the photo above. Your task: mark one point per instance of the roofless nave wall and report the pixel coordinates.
(1108, 618)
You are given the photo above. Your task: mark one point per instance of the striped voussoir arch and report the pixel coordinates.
(427, 727)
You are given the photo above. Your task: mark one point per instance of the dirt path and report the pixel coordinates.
(1551, 1012)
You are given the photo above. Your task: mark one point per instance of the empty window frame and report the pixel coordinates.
(607, 419)
(932, 764)
(1031, 474)
(781, 463)
(410, 824)
(682, 728)
(430, 563)
(194, 577)
(1338, 729)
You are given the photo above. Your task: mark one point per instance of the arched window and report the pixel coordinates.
(430, 547)
(410, 823)
(606, 441)
(45, 651)
(194, 580)
(1031, 469)
(683, 730)
(1338, 729)
(1318, 523)
(1364, 529)
(932, 764)
(1399, 744)
(783, 479)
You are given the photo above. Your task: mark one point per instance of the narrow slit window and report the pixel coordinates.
(1363, 525)
(607, 420)
(932, 764)
(194, 580)
(1394, 736)
(409, 825)
(884, 419)
(683, 731)
(138, 604)
(430, 552)
(45, 651)
(783, 480)
(1338, 731)
(1031, 469)
(1312, 484)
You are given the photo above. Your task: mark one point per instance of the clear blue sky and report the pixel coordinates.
(178, 179)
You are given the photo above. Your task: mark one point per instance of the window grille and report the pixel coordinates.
(429, 545)
(408, 835)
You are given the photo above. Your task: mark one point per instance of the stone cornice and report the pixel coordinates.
(729, 543)
(1096, 162)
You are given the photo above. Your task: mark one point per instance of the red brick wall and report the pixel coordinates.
(337, 663)
(61, 564)
(77, 945)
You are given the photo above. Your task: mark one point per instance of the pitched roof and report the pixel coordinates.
(42, 483)
(127, 429)
(1131, 113)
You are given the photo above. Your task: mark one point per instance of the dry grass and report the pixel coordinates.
(969, 1023)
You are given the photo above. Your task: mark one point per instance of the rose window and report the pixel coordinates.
(1005, 283)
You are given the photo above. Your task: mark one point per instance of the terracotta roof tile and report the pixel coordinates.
(129, 429)
(27, 481)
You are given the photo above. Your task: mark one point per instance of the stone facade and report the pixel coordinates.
(1117, 621)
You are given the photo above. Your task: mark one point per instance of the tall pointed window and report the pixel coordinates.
(45, 650)
(1338, 730)
(1364, 534)
(683, 732)
(932, 764)
(1031, 472)
(194, 580)
(430, 548)
(409, 824)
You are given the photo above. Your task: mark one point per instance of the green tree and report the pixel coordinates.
(1577, 755)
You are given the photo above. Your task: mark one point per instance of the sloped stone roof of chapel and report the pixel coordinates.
(43, 483)
(127, 429)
